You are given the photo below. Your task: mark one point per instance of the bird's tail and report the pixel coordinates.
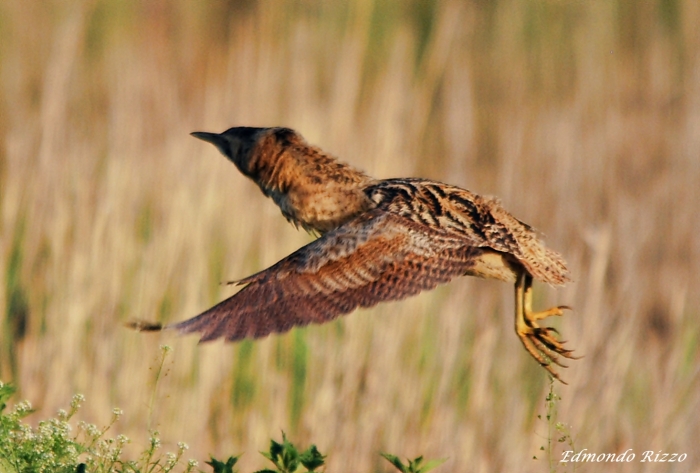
(543, 263)
(144, 326)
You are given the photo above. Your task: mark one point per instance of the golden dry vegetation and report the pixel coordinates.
(583, 117)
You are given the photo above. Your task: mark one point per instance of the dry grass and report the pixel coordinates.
(584, 117)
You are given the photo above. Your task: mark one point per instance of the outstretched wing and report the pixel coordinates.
(379, 256)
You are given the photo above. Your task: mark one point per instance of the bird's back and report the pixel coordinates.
(482, 221)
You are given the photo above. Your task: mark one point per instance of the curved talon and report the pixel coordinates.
(540, 342)
(547, 353)
(550, 358)
(553, 344)
(546, 330)
(550, 342)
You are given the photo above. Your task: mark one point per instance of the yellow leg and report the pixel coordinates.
(538, 341)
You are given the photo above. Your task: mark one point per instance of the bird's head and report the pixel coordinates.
(251, 149)
(237, 144)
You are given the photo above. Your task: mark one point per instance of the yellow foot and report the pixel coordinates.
(541, 342)
(554, 311)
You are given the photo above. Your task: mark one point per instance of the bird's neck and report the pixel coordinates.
(314, 190)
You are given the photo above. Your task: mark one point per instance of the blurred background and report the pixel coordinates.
(582, 116)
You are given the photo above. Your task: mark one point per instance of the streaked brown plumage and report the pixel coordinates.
(380, 240)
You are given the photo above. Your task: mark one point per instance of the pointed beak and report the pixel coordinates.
(214, 138)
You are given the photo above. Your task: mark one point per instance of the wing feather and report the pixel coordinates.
(379, 256)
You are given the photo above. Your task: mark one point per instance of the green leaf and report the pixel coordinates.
(312, 458)
(290, 458)
(394, 460)
(284, 455)
(414, 466)
(221, 467)
(276, 449)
